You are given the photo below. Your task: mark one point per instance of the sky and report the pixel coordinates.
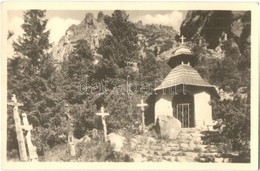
(66, 18)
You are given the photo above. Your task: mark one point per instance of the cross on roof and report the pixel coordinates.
(14, 102)
(102, 112)
(142, 104)
(182, 39)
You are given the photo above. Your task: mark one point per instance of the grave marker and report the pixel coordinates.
(103, 115)
(31, 148)
(71, 140)
(142, 105)
(18, 128)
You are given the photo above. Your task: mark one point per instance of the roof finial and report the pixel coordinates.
(182, 39)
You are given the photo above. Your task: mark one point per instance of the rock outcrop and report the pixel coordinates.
(216, 26)
(89, 29)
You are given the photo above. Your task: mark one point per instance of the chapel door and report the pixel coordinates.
(183, 114)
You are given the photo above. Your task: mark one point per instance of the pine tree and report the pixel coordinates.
(120, 48)
(30, 73)
(34, 43)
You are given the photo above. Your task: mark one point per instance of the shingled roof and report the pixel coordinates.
(181, 54)
(182, 50)
(183, 74)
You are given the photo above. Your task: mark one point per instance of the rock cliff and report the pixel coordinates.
(216, 26)
(90, 29)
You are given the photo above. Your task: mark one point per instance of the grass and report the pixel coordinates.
(98, 151)
(93, 151)
(59, 153)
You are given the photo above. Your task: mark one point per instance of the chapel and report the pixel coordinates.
(184, 94)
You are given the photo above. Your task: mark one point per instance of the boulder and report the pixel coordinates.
(169, 126)
(173, 133)
(116, 141)
(85, 139)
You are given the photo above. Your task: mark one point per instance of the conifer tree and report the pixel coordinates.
(29, 75)
(34, 43)
(120, 48)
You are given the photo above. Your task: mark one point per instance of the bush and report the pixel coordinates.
(13, 154)
(236, 125)
(99, 151)
(59, 153)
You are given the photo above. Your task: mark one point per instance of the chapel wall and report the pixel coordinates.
(163, 106)
(202, 109)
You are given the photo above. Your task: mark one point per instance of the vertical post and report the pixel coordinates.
(70, 133)
(183, 89)
(200, 42)
(225, 36)
(103, 115)
(31, 148)
(18, 128)
(142, 105)
(105, 128)
(143, 124)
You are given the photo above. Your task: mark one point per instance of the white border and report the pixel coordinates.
(5, 6)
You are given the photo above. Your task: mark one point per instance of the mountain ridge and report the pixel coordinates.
(151, 37)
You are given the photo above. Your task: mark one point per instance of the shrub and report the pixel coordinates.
(12, 154)
(236, 125)
(59, 153)
(99, 151)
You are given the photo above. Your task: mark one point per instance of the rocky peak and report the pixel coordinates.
(90, 29)
(100, 16)
(89, 19)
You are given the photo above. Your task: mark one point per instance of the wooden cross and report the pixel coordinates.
(14, 102)
(142, 105)
(103, 115)
(18, 128)
(71, 140)
(31, 148)
(26, 125)
(182, 39)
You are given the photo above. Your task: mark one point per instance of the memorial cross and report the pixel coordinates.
(31, 148)
(142, 105)
(71, 140)
(18, 128)
(103, 115)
